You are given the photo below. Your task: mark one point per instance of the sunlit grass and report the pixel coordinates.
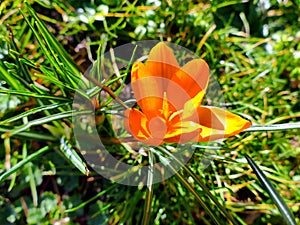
(253, 52)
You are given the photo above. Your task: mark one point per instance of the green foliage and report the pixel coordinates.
(253, 50)
(275, 196)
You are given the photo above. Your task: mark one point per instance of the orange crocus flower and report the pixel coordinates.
(169, 99)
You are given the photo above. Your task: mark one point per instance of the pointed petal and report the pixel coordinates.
(218, 123)
(151, 106)
(150, 81)
(144, 83)
(158, 128)
(177, 95)
(193, 76)
(190, 110)
(183, 132)
(162, 53)
(161, 61)
(147, 89)
(212, 117)
(136, 123)
(209, 134)
(138, 71)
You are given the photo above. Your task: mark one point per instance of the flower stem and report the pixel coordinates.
(107, 90)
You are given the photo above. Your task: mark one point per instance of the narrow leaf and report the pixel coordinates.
(43, 120)
(23, 162)
(83, 204)
(31, 112)
(56, 46)
(71, 154)
(33, 95)
(30, 135)
(273, 127)
(149, 191)
(207, 207)
(275, 196)
(202, 185)
(12, 82)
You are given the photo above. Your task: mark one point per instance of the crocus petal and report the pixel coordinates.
(136, 123)
(147, 89)
(209, 134)
(161, 61)
(138, 71)
(177, 95)
(158, 129)
(218, 123)
(193, 77)
(190, 110)
(144, 84)
(182, 132)
(150, 132)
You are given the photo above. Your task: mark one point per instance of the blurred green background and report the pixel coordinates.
(253, 50)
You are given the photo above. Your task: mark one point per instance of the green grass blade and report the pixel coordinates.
(32, 183)
(23, 68)
(202, 185)
(189, 187)
(83, 204)
(71, 154)
(12, 82)
(53, 51)
(149, 191)
(275, 196)
(23, 162)
(61, 84)
(41, 43)
(31, 112)
(274, 127)
(30, 135)
(55, 45)
(43, 120)
(34, 95)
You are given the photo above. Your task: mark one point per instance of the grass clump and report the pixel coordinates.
(253, 51)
